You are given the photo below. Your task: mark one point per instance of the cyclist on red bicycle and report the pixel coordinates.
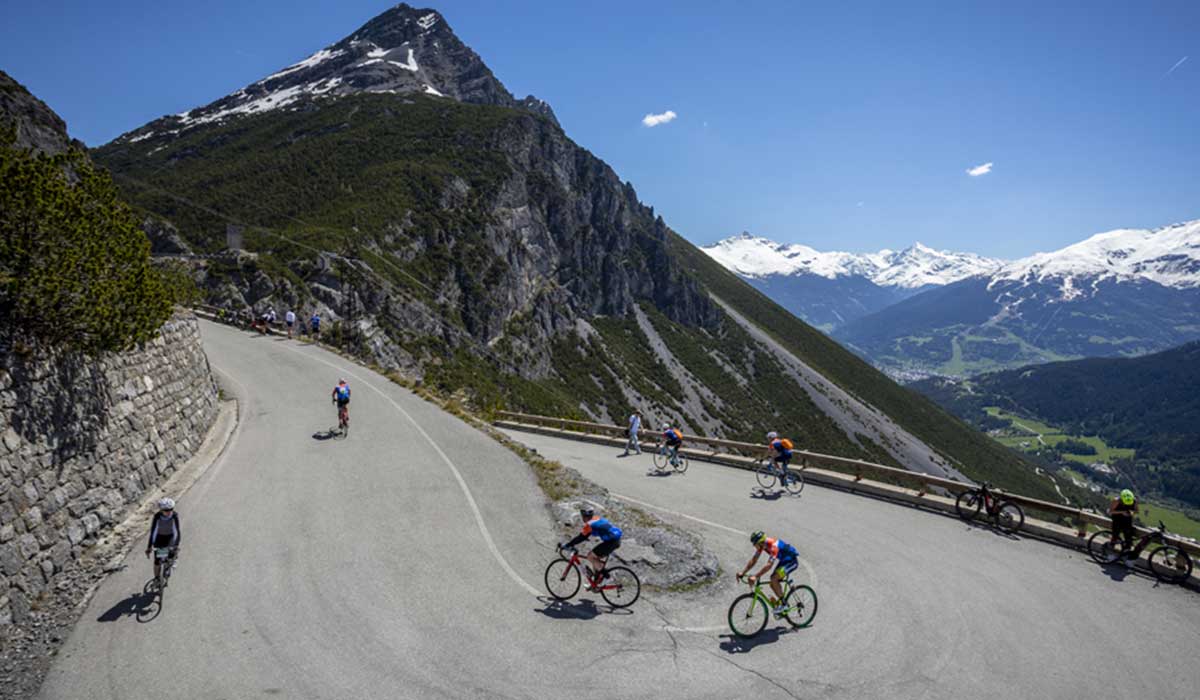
(610, 539)
(341, 396)
(782, 558)
(779, 450)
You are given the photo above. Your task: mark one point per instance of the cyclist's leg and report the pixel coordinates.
(601, 552)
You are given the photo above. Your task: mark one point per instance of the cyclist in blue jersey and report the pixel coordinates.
(673, 439)
(609, 534)
(779, 450)
(782, 558)
(341, 396)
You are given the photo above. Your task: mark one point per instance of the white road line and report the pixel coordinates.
(483, 529)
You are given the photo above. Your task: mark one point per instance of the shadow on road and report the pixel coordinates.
(143, 606)
(329, 434)
(580, 610)
(659, 473)
(732, 644)
(989, 527)
(763, 494)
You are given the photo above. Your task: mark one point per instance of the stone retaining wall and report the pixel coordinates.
(81, 440)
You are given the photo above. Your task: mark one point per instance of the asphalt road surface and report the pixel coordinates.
(406, 562)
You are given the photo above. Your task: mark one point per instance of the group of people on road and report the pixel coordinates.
(779, 449)
(268, 319)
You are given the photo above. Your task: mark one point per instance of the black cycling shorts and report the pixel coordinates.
(164, 541)
(606, 548)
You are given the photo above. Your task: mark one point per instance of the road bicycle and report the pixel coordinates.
(665, 457)
(618, 585)
(1007, 515)
(749, 612)
(344, 420)
(767, 474)
(1167, 562)
(165, 565)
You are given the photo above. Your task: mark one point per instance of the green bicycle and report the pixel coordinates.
(750, 611)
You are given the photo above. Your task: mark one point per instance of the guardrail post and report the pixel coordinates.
(923, 490)
(1080, 525)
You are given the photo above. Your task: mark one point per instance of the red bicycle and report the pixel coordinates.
(1007, 515)
(618, 585)
(344, 420)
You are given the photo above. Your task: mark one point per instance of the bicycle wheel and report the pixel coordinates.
(794, 482)
(621, 587)
(801, 606)
(968, 504)
(563, 579)
(1010, 517)
(660, 460)
(1100, 548)
(681, 464)
(748, 615)
(765, 476)
(1170, 564)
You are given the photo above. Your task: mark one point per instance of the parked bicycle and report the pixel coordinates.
(669, 458)
(1006, 515)
(749, 612)
(1167, 562)
(767, 474)
(618, 585)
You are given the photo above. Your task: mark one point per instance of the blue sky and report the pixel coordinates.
(842, 125)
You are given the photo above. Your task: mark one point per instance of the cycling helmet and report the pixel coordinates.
(341, 381)
(166, 504)
(666, 426)
(1127, 497)
(586, 512)
(772, 435)
(757, 537)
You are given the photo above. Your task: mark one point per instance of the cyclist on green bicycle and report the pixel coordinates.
(782, 558)
(1122, 510)
(673, 439)
(609, 534)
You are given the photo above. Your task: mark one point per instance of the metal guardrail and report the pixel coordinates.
(924, 482)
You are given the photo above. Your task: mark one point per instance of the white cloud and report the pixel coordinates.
(656, 119)
(980, 170)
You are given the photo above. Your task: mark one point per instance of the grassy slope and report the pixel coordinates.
(976, 455)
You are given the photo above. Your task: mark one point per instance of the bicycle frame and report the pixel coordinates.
(762, 597)
(596, 580)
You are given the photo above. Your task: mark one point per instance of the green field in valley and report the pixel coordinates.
(1052, 435)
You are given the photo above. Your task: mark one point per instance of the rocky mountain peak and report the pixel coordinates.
(38, 127)
(401, 51)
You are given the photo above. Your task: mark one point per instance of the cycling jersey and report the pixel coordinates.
(164, 530)
(781, 449)
(600, 527)
(779, 550)
(673, 436)
(342, 393)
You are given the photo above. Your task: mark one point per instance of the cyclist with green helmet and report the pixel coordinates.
(782, 561)
(1121, 510)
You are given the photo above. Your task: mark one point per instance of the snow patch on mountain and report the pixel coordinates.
(912, 268)
(1169, 256)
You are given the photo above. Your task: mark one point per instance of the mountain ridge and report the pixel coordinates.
(476, 248)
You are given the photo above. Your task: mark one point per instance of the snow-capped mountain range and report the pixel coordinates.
(914, 267)
(1169, 256)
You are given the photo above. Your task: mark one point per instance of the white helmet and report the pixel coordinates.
(666, 426)
(772, 435)
(166, 504)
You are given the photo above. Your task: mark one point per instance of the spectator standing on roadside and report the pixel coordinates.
(315, 321)
(635, 424)
(290, 319)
